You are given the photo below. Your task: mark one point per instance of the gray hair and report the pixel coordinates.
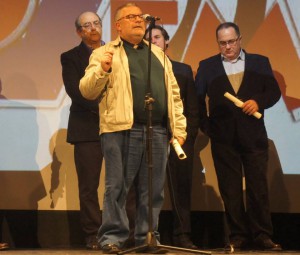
(77, 22)
(121, 8)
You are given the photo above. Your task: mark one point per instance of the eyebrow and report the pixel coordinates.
(97, 20)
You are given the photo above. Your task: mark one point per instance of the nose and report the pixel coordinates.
(138, 19)
(154, 41)
(93, 27)
(227, 45)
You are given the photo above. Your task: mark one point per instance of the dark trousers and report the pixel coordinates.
(88, 160)
(252, 219)
(180, 186)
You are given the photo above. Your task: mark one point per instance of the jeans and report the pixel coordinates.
(125, 157)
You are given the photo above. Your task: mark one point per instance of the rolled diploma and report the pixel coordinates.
(179, 151)
(239, 103)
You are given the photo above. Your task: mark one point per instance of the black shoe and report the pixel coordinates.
(110, 249)
(152, 250)
(229, 248)
(92, 243)
(236, 244)
(4, 246)
(184, 241)
(267, 244)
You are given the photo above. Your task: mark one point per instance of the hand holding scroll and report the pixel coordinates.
(240, 104)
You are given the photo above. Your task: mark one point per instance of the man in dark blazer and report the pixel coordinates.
(239, 141)
(180, 171)
(83, 126)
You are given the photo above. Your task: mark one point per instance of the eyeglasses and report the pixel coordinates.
(229, 42)
(89, 25)
(132, 17)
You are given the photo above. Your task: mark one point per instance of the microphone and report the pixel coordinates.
(148, 17)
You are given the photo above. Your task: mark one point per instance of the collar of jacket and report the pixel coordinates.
(119, 42)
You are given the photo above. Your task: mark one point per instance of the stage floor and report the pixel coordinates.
(88, 252)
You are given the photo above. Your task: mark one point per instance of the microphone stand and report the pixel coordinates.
(151, 241)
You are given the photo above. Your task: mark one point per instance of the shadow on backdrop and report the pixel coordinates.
(21, 184)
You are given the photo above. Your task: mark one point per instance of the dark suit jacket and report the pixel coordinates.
(185, 79)
(226, 122)
(83, 123)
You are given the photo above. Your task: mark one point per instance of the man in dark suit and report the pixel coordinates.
(239, 141)
(180, 171)
(83, 126)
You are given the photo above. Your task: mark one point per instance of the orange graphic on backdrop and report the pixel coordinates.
(273, 40)
(10, 16)
(203, 43)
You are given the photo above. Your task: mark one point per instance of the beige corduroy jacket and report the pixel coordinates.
(114, 90)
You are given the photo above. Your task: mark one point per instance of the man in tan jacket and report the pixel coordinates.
(117, 75)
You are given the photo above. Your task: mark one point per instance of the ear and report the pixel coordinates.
(240, 39)
(78, 31)
(118, 27)
(166, 44)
